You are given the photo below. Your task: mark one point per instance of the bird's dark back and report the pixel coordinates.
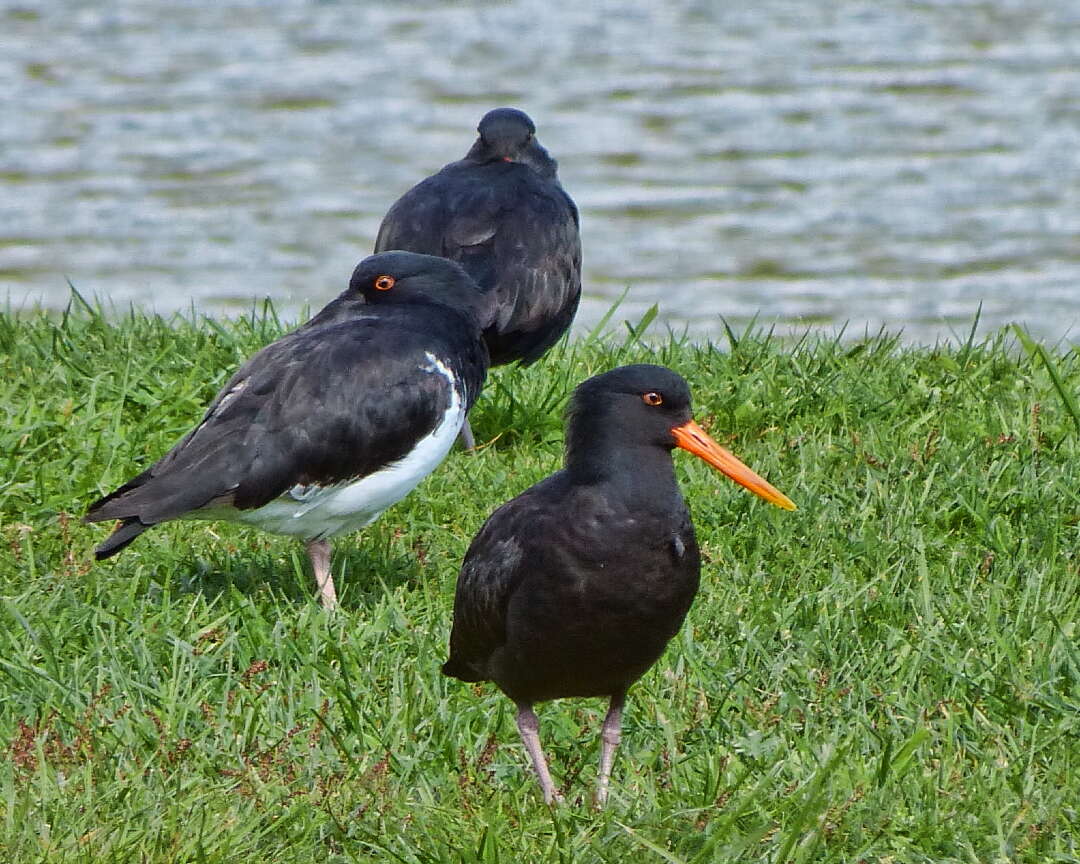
(320, 405)
(511, 230)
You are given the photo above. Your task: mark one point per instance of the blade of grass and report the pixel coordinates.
(1036, 350)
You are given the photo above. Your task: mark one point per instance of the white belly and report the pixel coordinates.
(313, 512)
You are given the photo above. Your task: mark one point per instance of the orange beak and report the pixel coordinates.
(692, 437)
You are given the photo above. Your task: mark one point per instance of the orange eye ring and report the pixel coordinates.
(652, 398)
(384, 283)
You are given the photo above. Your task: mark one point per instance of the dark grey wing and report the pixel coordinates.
(537, 255)
(447, 214)
(490, 574)
(416, 221)
(317, 407)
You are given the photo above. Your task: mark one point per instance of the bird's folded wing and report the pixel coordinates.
(440, 216)
(323, 407)
(490, 574)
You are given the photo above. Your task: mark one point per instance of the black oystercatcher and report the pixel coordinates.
(574, 587)
(325, 428)
(501, 213)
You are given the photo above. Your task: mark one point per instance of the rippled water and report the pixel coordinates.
(811, 162)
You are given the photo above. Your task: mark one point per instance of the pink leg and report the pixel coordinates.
(466, 436)
(319, 553)
(610, 735)
(529, 727)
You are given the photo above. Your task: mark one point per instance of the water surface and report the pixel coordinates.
(811, 163)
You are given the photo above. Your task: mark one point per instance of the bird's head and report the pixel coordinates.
(509, 135)
(407, 277)
(645, 406)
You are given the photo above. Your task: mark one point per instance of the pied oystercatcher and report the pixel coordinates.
(322, 430)
(574, 587)
(502, 214)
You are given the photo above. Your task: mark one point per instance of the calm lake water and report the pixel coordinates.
(811, 163)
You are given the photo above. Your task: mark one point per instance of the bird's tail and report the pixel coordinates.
(455, 668)
(112, 506)
(124, 533)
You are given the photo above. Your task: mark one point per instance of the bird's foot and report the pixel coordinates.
(319, 553)
(465, 437)
(553, 798)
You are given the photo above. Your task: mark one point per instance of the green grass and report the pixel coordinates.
(892, 673)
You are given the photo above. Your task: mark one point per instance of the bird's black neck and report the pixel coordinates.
(481, 152)
(343, 308)
(643, 473)
(349, 307)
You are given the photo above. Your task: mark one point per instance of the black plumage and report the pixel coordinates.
(575, 587)
(502, 214)
(321, 430)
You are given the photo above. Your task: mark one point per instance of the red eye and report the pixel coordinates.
(384, 283)
(652, 398)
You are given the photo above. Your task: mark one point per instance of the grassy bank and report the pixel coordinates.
(892, 673)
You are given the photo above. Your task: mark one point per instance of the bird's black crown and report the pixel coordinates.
(635, 380)
(408, 277)
(509, 135)
(506, 124)
(629, 406)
